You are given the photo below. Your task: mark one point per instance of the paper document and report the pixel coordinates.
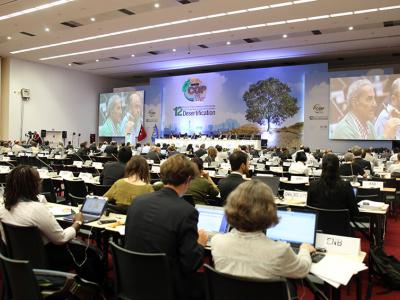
(60, 211)
(367, 204)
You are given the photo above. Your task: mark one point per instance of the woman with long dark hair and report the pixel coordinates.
(331, 192)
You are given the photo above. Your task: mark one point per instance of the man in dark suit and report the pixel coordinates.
(239, 165)
(112, 149)
(154, 154)
(365, 164)
(163, 222)
(115, 170)
(201, 151)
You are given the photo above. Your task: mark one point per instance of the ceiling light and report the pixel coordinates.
(34, 9)
(228, 43)
(156, 5)
(389, 7)
(348, 13)
(351, 27)
(97, 60)
(258, 8)
(303, 1)
(216, 15)
(69, 64)
(318, 17)
(296, 20)
(364, 11)
(132, 55)
(284, 36)
(256, 26)
(236, 12)
(92, 19)
(281, 4)
(276, 23)
(47, 29)
(9, 38)
(174, 50)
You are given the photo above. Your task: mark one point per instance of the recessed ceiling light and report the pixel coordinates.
(97, 60)
(69, 64)
(9, 38)
(228, 43)
(34, 9)
(47, 29)
(132, 55)
(174, 50)
(284, 36)
(92, 19)
(351, 27)
(156, 5)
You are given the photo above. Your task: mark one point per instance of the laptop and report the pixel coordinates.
(92, 209)
(212, 219)
(272, 182)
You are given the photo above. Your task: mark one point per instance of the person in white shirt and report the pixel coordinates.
(299, 167)
(21, 208)
(146, 148)
(395, 167)
(246, 251)
(17, 148)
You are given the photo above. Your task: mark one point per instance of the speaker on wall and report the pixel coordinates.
(395, 144)
(43, 133)
(264, 143)
(92, 138)
(64, 134)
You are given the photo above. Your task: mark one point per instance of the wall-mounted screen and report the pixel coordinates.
(365, 108)
(121, 114)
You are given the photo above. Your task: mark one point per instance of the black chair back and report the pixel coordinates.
(333, 221)
(222, 286)
(21, 279)
(141, 276)
(373, 194)
(48, 190)
(100, 190)
(17, 239)
(76, 188)
(292, 186)
(75, 201)
(189, 199)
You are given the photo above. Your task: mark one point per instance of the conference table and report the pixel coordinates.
(224, 143)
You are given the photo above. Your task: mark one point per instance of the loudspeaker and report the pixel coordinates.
(64, 134)
(43, 133)
(264, 143)
(395, 144)
(92, 138)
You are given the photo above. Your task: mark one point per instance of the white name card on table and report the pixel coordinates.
(57, 156)
(260, 166)
(264, 175)
(97, 165)
(10, 153)
(222, 171)
(85, 176)
(384, 175)
(372, 184)
(4, 169)
(378, 169)
(211, 173)
(205, 165)
(6, 158)
(150, 161)
(226, 166)
(21, 154)
(269, 163)
(43, 173)
(337, 244)
(276, 169)
(214, 164)
(66, 174)
(254, 161)
(286, 163)
(295, 196)
(299, 179)
(78, 163)
(41, 155)
(251, 167)
(155, 169)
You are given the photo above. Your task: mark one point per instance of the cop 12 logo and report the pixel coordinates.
(194, 90)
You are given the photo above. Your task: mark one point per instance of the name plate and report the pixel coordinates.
(211, 173)
(295, 196)
(338, 244)
(205, 165)
(276, 169)
(57, 157)
(97, 165)
(66, 174)
(6, 158)
(260, 167)
(4, 169)
(226, 166)
(264, 175)
(299, 179)
(251, 167)
(372, 184)
(150, 161)
(286, 163)
(78, 163)
(85, 176)
(155, 169)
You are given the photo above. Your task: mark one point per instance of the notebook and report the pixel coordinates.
(294, 227)
(212, 219)
(92, 209)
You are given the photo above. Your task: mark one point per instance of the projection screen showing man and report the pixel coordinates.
(365, 108)
(121, 115)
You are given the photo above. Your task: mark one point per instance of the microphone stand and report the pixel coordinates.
(43, 162)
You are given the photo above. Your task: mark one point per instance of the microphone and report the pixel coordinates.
(79, 157)
(46, 164)
(112, 154)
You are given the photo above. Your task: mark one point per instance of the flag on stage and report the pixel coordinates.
(154, 136)
(142, 134)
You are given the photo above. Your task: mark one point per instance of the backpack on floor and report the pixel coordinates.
(386, 267)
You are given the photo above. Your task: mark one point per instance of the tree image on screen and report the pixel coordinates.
(269, 101)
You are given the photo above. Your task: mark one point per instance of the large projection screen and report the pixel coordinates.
(121, 114)
(365, 108)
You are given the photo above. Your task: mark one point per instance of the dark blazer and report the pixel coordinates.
(112, 171)
(162, 222)
(351, 169)
(365, 164)
(200, 152)
(110, 150)
(228, 184)
(340, 197)
(152, 155)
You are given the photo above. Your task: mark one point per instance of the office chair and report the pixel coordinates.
(74, 200)
(189, 199)
(222, 286)
(76, 188)
(333, 221)
(292, 186)
(100, 190)
(17, 239)
(141, 276)
(373, 194)
(49, 191)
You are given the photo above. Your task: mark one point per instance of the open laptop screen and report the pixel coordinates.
(94, 205)
(294, 227)
(212, 219)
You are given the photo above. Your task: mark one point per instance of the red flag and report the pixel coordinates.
(142, 134)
